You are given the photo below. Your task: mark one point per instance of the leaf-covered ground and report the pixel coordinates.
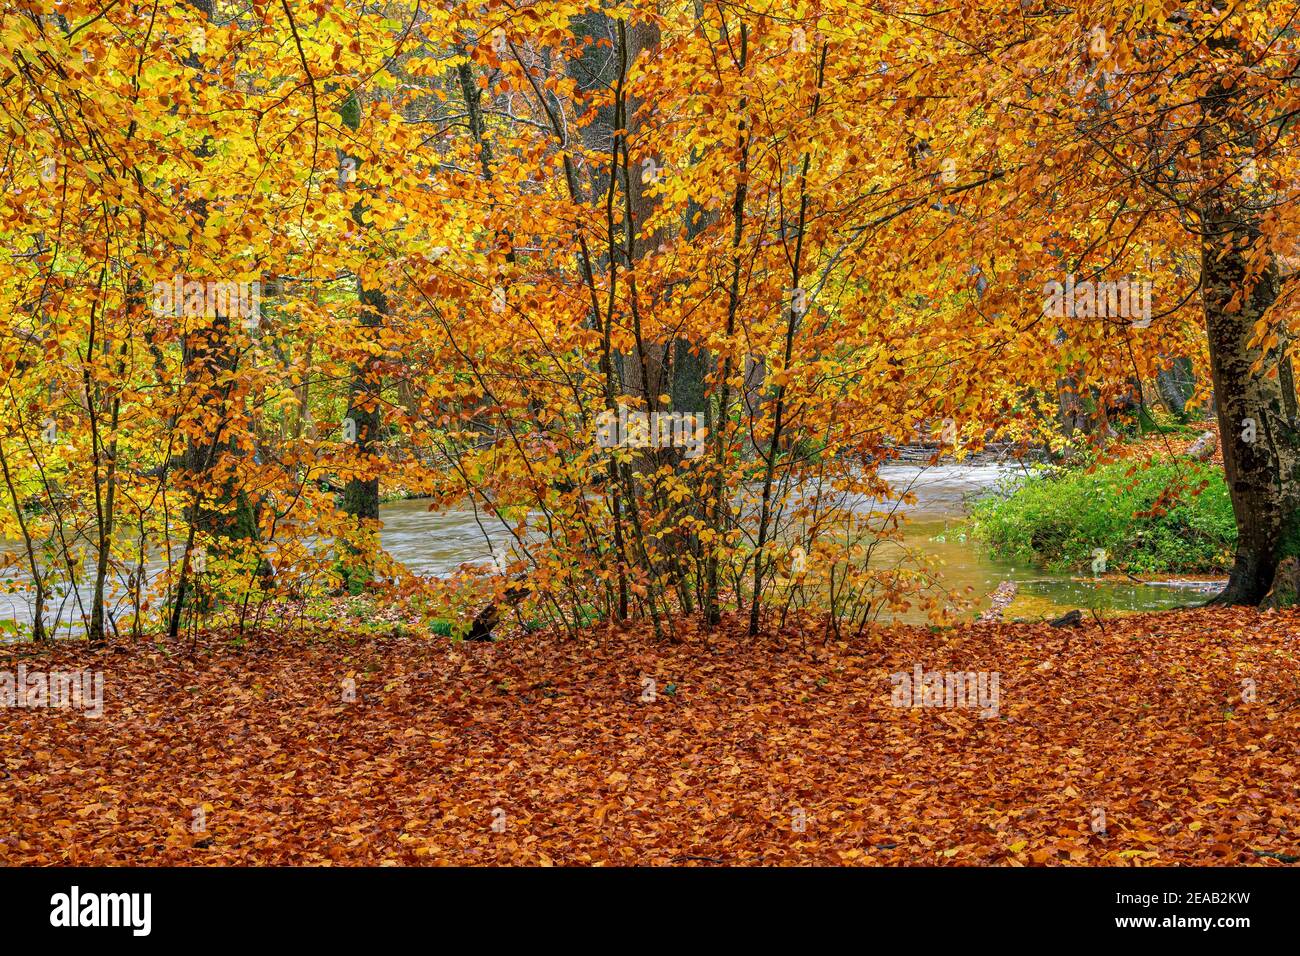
(551, 740)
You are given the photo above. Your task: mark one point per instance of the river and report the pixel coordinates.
(437, 543)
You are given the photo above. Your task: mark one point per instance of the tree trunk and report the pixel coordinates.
(1256, 409)
(1175, 386)
(361, 495)
(1260, 456)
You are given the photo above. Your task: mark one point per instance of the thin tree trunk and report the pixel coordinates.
(778, 413)
(361, 495)
(719, 521)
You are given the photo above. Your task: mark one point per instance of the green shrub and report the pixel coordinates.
(1059, 520)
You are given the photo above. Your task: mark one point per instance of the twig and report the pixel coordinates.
(1285, 858)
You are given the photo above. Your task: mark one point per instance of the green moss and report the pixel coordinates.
(1289, 546)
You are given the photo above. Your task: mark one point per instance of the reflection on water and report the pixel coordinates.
(436, 544)
(964, 565)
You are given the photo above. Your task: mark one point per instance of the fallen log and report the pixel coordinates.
(1072, 619)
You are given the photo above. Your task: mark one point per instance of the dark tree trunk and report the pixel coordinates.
(1261, 458)
(1253, 391)
(361, 495)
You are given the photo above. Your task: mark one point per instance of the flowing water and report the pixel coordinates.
(437, 543)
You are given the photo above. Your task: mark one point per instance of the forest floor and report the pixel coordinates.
(1157, 739)
(1168, 446)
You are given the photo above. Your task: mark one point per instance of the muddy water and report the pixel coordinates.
(435, 544)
